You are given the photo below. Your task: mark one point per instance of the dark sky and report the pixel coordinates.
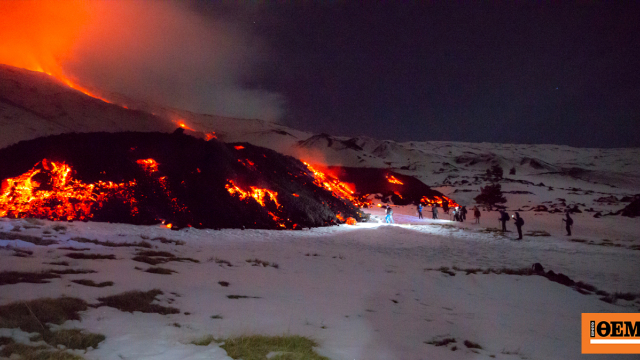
(507, 72)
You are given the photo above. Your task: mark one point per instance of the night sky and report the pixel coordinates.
(493, 72)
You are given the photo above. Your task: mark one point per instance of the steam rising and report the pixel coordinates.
(157, 51)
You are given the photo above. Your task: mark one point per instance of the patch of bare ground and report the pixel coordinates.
(107, 243)
(159, 257)
(87, 282)
(579, 286)
(60, 263)
(39, 277)
(160, 270)
(73, 249)
(258, 262)
(131, 301)
(28, 238)
(22, 253)
(83, 256)
(36, 316)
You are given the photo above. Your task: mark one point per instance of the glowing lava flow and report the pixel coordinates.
(259, 195)
(149, 165)
(393, 180)
(49, 191)
(338, 188)
(439, 200)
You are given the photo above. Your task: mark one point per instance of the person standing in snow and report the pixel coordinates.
(434, 211)
(569, 222)
(476, 214)
(454, 212)
(504, 217)
(389, 218)
(445, 206)
(463, 213)
(519, 222)
(420, 211)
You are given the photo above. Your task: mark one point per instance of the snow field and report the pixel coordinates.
(362, 292)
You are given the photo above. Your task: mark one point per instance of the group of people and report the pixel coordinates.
(460, 214)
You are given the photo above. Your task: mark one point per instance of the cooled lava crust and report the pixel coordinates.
(198, 183)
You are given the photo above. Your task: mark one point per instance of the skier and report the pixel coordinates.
(519, 222)
(504, 217)
(389, 218)
(463, 212)
(434, 211)
(569, 222)
(420, 211)
(476, 214)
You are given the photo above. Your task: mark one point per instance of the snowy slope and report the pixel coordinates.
(369, 291)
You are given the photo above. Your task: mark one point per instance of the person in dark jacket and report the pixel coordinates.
(389, 218)
(569, 223)
(434, 211)
(464, 213)
(504, 217)
(476, 214)
(445, 206)
(519, 222)
(420, 211)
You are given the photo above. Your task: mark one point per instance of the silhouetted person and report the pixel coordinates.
(420, 211)
(463, 213)
(476, 214)
(569, 223)
(504, 217)
(389, 218)
(434, 211)
(445, 206)
(519, 222)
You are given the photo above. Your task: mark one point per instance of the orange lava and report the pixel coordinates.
(210, 135)
(149, 165)
(338, 188)
(393, 180)
(439, 200)
(257, 194)
(49, 191)
(239, 147)
(351, 221)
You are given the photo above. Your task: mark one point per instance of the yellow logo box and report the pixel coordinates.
(610, 333)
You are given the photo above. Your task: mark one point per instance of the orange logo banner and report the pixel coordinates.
(610, 333)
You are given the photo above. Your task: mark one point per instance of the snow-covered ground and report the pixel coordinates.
(368, 291)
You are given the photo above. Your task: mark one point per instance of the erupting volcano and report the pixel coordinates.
(151, 178)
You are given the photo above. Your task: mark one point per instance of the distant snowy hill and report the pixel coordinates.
(33, 104)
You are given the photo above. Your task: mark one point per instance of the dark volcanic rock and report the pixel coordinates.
(633, 209)
(188, 189)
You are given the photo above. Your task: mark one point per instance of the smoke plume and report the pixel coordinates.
(158, 51)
